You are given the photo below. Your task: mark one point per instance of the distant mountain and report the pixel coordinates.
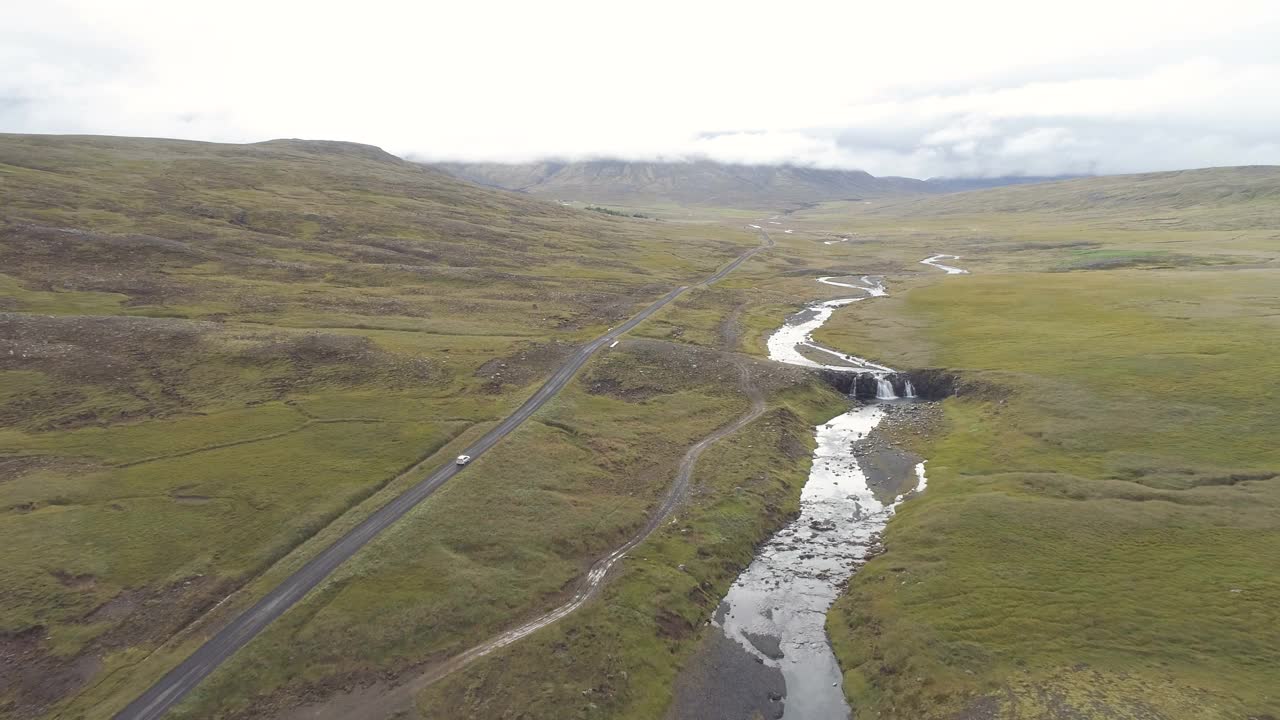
(701, 182)
(961, 184)
(1234, 190)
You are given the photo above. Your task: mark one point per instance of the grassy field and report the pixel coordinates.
(569, 487)
(565, 487)
(213, 356)
(1100, 532)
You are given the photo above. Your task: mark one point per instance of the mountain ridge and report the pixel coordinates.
(704, 182)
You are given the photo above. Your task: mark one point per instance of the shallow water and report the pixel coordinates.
(777, 608)
(933, 262)
(796, 334)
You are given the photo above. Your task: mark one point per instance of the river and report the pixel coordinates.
(776, 609)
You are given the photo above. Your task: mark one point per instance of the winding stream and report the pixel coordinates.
(776, 609)
(933, 262)
(793, 343)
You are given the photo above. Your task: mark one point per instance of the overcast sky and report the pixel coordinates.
(973, 88)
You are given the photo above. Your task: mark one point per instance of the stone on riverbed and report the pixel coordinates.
(770, 646)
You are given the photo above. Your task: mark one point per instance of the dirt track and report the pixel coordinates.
(378, 702)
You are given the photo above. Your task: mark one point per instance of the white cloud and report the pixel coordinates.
(932, 88)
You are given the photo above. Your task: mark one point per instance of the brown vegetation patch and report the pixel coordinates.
(642, 368)
(599, 308)
(76, 581)
(340, 695)
(90, 348)
(124, 604)
(672, 626)
(617, 389)
(791, 446)
(49, 258)
(1235, 478)
(984, 708)
(32, 678)
(314, 349)
(316, 359)
(731, 328)
(35, 678)
(191, 499)
(153, 615)
(531, 362)
(110, 369)
(12, 468)
(396, 250)
(130, 356)
(363, 305)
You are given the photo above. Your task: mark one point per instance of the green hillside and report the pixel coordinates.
(209, 353)
(1212, 198)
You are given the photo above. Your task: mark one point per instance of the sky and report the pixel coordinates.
(979, 88)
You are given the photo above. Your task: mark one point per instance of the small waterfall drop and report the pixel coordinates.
(884, 388)
(909, 390)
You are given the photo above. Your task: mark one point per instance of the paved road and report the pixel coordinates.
(182, 679)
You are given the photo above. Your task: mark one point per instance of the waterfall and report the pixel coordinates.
(884, 389)
(910, 390)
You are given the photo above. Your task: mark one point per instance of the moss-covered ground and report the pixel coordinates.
(1101, 528)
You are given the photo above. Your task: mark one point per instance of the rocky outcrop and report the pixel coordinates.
(934, 383)
(927, 384)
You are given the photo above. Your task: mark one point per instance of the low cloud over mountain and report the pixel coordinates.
(1093, 87)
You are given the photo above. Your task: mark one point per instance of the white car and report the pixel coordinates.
(463, 459)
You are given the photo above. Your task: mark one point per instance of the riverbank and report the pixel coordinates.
(886, 457)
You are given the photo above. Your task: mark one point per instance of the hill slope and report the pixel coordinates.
(1237, 196)
(210, 353)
